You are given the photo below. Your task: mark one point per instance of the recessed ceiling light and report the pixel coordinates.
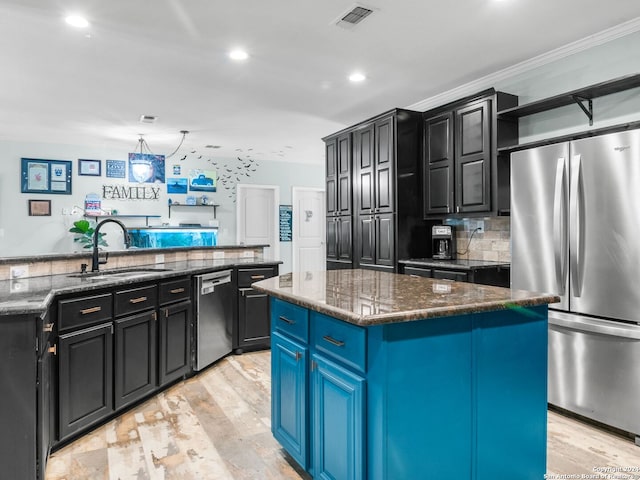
(213, 146)
(357, 77)
(77, 21)
(238, 54)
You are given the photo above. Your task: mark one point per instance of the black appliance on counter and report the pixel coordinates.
(444, 242)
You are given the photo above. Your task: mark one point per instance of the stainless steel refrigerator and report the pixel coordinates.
(575, 232)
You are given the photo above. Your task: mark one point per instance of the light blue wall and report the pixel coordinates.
(604, 62)
(21, 234)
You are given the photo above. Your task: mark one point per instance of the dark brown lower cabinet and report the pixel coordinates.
(252, 327)
(136, 363)
(254, 323)
(497, 276)
(46, 396)
(376, 241)
(174, 355)
(85, 379)
(451, 275)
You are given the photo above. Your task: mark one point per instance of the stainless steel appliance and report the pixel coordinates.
(575, 218)
(214, 315)
(443, 238)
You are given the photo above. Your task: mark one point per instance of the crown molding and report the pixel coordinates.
(488, 81)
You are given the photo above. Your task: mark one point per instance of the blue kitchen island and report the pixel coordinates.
(384, 376)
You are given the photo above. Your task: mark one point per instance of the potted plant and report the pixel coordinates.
(84, 234)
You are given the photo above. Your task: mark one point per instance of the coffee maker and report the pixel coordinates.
(444, 242)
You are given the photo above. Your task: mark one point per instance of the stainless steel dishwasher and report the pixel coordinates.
(213, 317)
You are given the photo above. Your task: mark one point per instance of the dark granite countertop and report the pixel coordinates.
(457, 264)
(33, 295)
(366, 297)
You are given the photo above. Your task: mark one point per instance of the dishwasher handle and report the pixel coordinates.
(209, 282)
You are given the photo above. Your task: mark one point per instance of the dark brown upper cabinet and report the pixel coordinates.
(462, 171)
(473, 158)
(338, 174)
(439, 165)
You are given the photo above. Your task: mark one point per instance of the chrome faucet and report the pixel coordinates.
(95, 260)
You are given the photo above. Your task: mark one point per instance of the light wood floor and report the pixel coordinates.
(217, 426)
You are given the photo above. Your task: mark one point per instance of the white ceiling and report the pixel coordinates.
(169, 58)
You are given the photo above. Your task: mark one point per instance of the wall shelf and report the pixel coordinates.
(570, 137)
(579, 96)
(173, 205)
(146, 217)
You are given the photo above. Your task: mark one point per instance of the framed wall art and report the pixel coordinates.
(40, 208)
(202, 180)
(116, 168)
(89, 167)
(45, 176)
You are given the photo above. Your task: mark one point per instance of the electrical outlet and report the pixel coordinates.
(218, 255)
(160, 258)
(19, 271)
(66, 211)
(247, 254)
(475, 225)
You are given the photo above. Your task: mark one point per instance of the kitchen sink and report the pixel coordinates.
(123, 273)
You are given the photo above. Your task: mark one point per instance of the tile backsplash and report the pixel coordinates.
(493, 243)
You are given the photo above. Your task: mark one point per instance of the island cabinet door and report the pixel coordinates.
(338, 399)
(289, 419)
(511, 393)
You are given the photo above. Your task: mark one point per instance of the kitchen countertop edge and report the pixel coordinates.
(458, 303)
(37, 306)
(457, 264)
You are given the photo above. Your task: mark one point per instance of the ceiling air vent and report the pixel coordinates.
(148, 118)
(353, 16)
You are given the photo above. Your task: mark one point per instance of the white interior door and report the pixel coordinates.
(309, 249)
(258, 217)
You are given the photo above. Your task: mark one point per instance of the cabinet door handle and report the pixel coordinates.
(53, 350)
(257, 277)
(286, 320)
(87, 311)
(138, 300)
(154, 315)
(177, 290)
(337, 343)
(298, 356)
(48, 327)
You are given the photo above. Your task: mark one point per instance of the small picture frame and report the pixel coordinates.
(39, 208)
(91, 168)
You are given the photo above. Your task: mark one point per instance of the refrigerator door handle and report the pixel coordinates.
(560, 226)
(576, 219)
(593, 325)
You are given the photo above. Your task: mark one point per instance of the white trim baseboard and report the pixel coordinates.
(488, 81)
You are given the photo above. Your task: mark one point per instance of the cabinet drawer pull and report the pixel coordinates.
(87, 311)
(337, 343)
(286, 320)
(257, 277)
(48, 327)
(53, 350)
(138, 300)
(177, 290)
